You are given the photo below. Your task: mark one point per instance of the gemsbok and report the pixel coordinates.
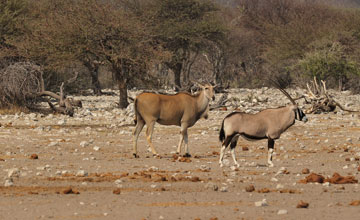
(182, 109)
(267, 124)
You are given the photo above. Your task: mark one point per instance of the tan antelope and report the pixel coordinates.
(267, 124)
(182, 109)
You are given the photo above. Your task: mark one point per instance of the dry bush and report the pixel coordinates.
(17, 84)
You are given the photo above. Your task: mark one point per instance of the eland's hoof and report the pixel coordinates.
(270, 165)
(187, 155)
(221, 164)
(135, 155)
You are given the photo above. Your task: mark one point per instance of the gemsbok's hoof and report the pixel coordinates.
(270, 165)
(157, 156)
(187, 155)
(135, 155)
(221, 164)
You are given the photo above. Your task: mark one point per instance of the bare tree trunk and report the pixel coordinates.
(177, 76)
(123, 97)
(94, 74)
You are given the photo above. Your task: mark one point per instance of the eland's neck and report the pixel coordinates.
(202, 102)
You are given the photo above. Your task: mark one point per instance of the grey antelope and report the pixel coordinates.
(182, 109)
(267, 124)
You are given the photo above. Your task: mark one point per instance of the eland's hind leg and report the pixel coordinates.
(149, 132)
(139, 126)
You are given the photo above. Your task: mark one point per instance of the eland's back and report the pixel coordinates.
(165, 109)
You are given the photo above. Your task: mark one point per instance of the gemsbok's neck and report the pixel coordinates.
(288, 117)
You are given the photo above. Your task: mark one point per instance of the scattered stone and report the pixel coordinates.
(84, 143)
(69, 190)
(355, 203)
(8, 182)
(13, 172)
(116, 191)
(274, 179)
(305, 171)
(81, 173)
(302, 204)
(250, 188)
(261, 203)
(205, 168)
(34, 157)
(279, 186)
(264, 190)
(282, 212)
(245, 148)
(337, 179)
(223, 189)
(184, 159)
(211, 186)
(96, 148)
(313, 178)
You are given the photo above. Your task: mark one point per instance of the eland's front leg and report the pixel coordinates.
(149, 132)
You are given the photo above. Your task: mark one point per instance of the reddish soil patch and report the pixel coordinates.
(313, 178)
(337, 179)
(34, 157)
(302, 204)
(355, 203)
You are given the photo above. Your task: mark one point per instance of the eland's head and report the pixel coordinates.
(209, 91)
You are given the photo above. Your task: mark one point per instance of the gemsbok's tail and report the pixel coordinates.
(222, 132)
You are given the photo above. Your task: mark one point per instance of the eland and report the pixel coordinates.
(268, 124)
(182, 109)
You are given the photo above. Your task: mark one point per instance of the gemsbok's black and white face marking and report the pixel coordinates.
(300, 115)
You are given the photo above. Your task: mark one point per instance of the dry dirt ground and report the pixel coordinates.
(95, 161)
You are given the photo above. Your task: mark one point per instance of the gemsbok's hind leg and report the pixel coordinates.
(139, 126)
(232, 148)
(149, 132)
(223, 148)
(271, 144)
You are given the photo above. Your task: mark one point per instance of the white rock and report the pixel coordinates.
(81, 173)
(84, 143)
(279, 186)
(61, 122)
(274, 179)
(96, 148)
(327, 184)
(282, 212)
(13, 172)
(53, 144)
(8, 182)
(261, 203)
(223, 189)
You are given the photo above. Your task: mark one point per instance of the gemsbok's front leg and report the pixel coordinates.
(139, 126)
(271, 144)
(232, 149)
